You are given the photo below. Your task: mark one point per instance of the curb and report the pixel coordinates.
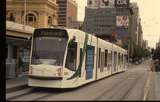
(16, 88)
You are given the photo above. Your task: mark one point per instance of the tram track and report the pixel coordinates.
(47, 96)
(126, 80)
(131, 87)
(120, 85)
(38, 93)
(108, 90)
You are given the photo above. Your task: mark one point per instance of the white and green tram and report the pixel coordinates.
(69, 58)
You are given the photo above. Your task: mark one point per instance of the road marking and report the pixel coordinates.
(147, 87)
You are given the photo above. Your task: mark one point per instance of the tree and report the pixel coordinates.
(156, 54)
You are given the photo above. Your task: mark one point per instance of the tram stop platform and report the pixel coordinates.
(16, 84)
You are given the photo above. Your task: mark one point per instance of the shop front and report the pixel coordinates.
(17, 56)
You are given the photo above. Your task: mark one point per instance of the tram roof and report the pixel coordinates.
(81, 34)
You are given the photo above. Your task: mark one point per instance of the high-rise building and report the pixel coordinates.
(134, 23)
(67, 12)
(107, 19)
(140, 34)
(38, 13)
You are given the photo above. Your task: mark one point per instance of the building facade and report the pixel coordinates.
(107, 20)
(18, 44)
(67, 12)
(35, 13)
(22, 17)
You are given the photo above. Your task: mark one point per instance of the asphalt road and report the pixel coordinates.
(133, 84)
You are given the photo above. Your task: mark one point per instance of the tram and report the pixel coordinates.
(69, 58)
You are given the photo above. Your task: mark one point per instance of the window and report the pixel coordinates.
(11, 17)
(71, 56)
(119, 58)
(99, 58)
(115, 61)
(102, 62)
(80, 58)
(49, 20)
(30, 18)
(106, 55)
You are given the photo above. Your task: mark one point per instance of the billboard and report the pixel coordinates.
(122, 21)
(93, 3)
(106, 3)
(100, 3)
(122, 3)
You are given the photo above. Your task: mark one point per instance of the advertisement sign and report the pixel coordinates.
(106, 3)
(100, 3)
(122, 21)
(121, 3)
(93, 3)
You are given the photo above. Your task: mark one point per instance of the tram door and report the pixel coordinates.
(89, 62)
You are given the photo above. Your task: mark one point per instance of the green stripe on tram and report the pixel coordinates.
(78, 71)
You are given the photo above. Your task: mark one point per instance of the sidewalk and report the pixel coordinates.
(16, 83)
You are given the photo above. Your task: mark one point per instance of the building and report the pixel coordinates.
(145, 44)
(136, 32)
(107, 19)
(67, 12)
(158, 44)
(100, 21)
(134, 23)
(22, 17)
(17, 48)
(140, 34)
(38, 13)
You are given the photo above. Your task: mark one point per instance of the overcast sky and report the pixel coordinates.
(149, 13)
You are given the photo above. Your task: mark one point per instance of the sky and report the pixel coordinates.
(149, 13)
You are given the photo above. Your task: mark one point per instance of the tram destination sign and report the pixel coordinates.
(50, 33)
(122, 3)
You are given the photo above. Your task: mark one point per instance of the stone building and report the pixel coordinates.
(38, 13)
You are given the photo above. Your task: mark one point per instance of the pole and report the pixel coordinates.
(24, 17)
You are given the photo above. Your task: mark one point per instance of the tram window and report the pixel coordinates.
(122, 59)
(80, 58)
(102, 61)
(115, 60)
(99, 58)
(71, 56)
(106, 55)
(119, 58)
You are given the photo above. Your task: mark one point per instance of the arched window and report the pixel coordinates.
(31, 19)
(49, 20)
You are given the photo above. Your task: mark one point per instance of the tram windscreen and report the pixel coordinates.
(49, 46)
